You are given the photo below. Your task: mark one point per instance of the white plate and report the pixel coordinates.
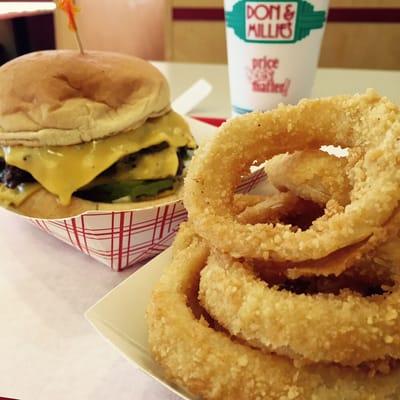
(120, 318)
(120, 315)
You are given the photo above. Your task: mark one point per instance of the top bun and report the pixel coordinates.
(62, 97)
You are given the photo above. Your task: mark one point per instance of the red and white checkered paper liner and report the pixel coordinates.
(123, 238)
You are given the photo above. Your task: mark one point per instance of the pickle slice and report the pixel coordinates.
(132, 190)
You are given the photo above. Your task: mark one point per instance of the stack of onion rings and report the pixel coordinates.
(295, 295)
(212, 364)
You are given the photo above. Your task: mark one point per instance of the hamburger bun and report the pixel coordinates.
(61, 97)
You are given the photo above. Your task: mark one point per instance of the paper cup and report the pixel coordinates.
(273, 50)
(120, 239)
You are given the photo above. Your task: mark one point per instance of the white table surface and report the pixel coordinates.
(47, 349)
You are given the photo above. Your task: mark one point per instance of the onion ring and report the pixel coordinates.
(311, 175)
(270, 209)
(211, 364)
(261, 209)
(333, 264)
(242, 201)
(308, 174)
(351, 329)
(367, 123)
(382, 246)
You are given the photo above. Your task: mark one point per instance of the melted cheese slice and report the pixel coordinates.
(162, 164)
(159, 165)
(62, 170)
(18, 195)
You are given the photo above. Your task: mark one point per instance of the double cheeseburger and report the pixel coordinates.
(87, 132)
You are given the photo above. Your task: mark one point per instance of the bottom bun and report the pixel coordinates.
(44, 205)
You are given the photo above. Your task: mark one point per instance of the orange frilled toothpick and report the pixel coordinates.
(70, 9)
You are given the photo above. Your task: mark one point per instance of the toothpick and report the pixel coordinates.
(68, 6)
(78, 41)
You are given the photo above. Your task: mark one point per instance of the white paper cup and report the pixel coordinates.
(273, 50)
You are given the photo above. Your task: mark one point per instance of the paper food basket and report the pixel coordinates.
(120, 239)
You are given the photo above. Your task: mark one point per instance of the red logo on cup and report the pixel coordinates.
(261, 75)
